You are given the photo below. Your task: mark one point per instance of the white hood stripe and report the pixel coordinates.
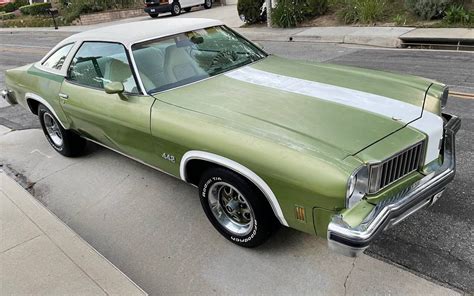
(429, 123)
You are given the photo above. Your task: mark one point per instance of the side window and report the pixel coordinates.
(56, 60)
(98, 63)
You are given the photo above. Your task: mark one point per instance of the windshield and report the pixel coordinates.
(192, 56)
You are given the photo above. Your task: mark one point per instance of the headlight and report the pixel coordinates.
(351, 185)
(444, 97)
(357, 186)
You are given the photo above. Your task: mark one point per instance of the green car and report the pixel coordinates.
(335, 151)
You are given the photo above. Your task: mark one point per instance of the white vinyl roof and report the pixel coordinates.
(130, 33)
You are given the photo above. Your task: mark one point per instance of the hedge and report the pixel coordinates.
(27, 22)
(7, 16)
(427, 9)
(35, 9)
(9, 7)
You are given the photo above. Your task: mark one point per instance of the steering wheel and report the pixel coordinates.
(224, 57)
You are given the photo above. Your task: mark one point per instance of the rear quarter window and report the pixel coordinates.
(56, 60)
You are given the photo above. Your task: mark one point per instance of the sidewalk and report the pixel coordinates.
(40, 255)
(373, 36)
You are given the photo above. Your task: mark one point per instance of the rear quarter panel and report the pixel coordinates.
(28, 79)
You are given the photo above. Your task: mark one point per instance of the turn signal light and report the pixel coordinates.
(300, 215)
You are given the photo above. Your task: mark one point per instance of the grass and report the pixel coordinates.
(27, 21)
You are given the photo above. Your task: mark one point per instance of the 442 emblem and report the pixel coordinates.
(168, 157)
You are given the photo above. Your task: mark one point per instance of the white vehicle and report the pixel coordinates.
(155, 7)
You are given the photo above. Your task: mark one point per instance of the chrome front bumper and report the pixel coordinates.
(352, 241)
(8, 96)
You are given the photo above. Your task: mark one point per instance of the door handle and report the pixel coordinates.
(63, 96)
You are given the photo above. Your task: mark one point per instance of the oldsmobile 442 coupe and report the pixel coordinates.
(335, 151)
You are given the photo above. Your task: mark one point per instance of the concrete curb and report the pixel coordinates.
(101, 271)
(374, 36)
(440, 35)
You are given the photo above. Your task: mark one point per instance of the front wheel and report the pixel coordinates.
(63, 141)
(236, 208)
(154, 15)
(207, 4)
(175, 8)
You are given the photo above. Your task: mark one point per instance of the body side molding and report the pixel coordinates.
(230, 164)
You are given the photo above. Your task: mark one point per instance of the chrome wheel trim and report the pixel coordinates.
(208, 3)
(231, 209)
(53, 130)
(177, 9)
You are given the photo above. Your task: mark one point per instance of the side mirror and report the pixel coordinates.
(114, 88)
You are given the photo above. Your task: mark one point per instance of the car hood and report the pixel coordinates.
(315, 107)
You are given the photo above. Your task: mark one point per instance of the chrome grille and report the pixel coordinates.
(396, 167)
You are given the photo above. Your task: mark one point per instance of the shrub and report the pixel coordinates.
(348, 13)
(427, 9)
(400, 20)
(250, 10)
(370, 10)
(363, 11)
(35, 9)
(7, 16)
(9, 7)
(12, 6)
(75, 8)
(20, 3)
(289, 13)
(456, 14)
(316, 7)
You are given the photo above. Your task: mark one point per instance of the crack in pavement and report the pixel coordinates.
(428, 276)
(349, 275)
(57, 171)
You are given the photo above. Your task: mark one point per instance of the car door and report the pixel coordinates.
(120, 121)
(187, 3)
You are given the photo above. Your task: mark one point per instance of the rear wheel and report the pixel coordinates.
(187, 9)
(154, 15)
(236, 208)
(63, 141)
(207, 4)
(175, 8)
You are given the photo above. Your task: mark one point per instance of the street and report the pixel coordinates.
(146, 222)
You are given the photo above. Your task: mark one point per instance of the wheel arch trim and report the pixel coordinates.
(32, 96)
(238, 168)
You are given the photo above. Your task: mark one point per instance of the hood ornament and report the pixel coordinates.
(395, 118)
